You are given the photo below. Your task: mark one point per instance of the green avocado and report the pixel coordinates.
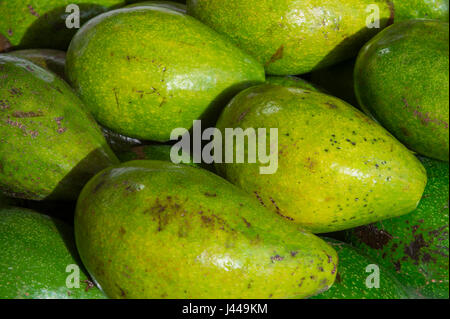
(50, 146)
(146, 71)
(402, 79)
(357, 277)
(338, 81)
(420, 9)
(53, 60)
(39, 258)
(293, 81)
(42, 23)
(181, 232)
(177, 6)
(295, 37)
(118, 142)
(335, 169)
(415, 246)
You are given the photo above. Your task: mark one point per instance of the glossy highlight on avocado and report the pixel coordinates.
(146, 71)
(337, 168)
(50, 146)
(174, 231)
(294, 37)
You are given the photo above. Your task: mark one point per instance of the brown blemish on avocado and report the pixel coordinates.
(276, 258)
(4, 105)
(32, 11)
(246, 222)
(20, 114)
(242, 116)
(372, 236)
(392, 12)
(259, 198)
(278, 211)
(89, 285)
(210, 194)
(60, 129)
(424, 118)
(414, 248)
(278, 55)
(294, 253)
(331, 105)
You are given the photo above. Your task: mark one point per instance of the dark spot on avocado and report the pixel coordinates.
(15, 91)
(210, 194)
(372, 236)
(246, 222)
(294, 253)
(278, 211)
(392, 11)
(331, 105)
(278, 55)
(4, 105)
(259, 198)
(20, 114)
(32, 11)
(122, 231)
(414, 248)
(276, 258)
(89, 285)
(398, 266)
(243, 115)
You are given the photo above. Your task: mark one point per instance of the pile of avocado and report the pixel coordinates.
(93, 206)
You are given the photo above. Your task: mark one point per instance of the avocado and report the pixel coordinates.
(39, 258)
(338, 80)
(50, 146)
(294, 37)
(182, 232)
(53, 60)
(118, 142)
(415, 246)
(420, 9)
(146, 71)
(177, 6)
(402, 79)
(293, 81)
(42, 23)
(4, 43)
(355, 271)
(336, 168)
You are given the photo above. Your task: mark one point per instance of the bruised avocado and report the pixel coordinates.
(153, 229)
(402, 79)
(42, 23)
(295, 37)
(336, 168)
(50, 146)
(415, 246)
(39, 258)
(146, 71)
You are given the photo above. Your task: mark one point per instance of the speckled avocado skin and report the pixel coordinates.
(293, 81)
(53, 60)
(351, 277)
(35, 251)
(145, 71)
(42, 23)
(421, 9)
(291, 36)
(50, 146)
(337, 168)
(181, 232)
(177, 6)
(402, 79)
(415, 246)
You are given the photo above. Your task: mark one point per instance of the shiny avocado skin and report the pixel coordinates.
(415, 246)
(35, 251)
(421, 9)
(292, 37)
(183, 232)
(402, 79)
(52, 60)
(42, 23)
(161, 72)
(337, 169)
(292, 81)
(351, 277)
(41, 116)
(177, 6)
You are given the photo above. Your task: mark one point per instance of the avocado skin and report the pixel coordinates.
(402, 79)
(182, 232)
(52, 60)
(36, 249)
(40, 116)
(5, 45)
(292, 81)
(420, 9)
(42, 23)
(337, 169)
(177, 6)
(415, 246)
(292, 37)
(351, 277)
(145, 71)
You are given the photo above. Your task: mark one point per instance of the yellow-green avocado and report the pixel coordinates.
(153, 229)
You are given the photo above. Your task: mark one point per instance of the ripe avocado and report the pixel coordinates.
(337, 169)
(42, 23)
(35, 253)
(53, 60)
(294, 37)
(50, 146)
(145, 71)
(415, 246)
(352, 277)
(153, 229)
(293, 81)
(420, 9)
(402, 79)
